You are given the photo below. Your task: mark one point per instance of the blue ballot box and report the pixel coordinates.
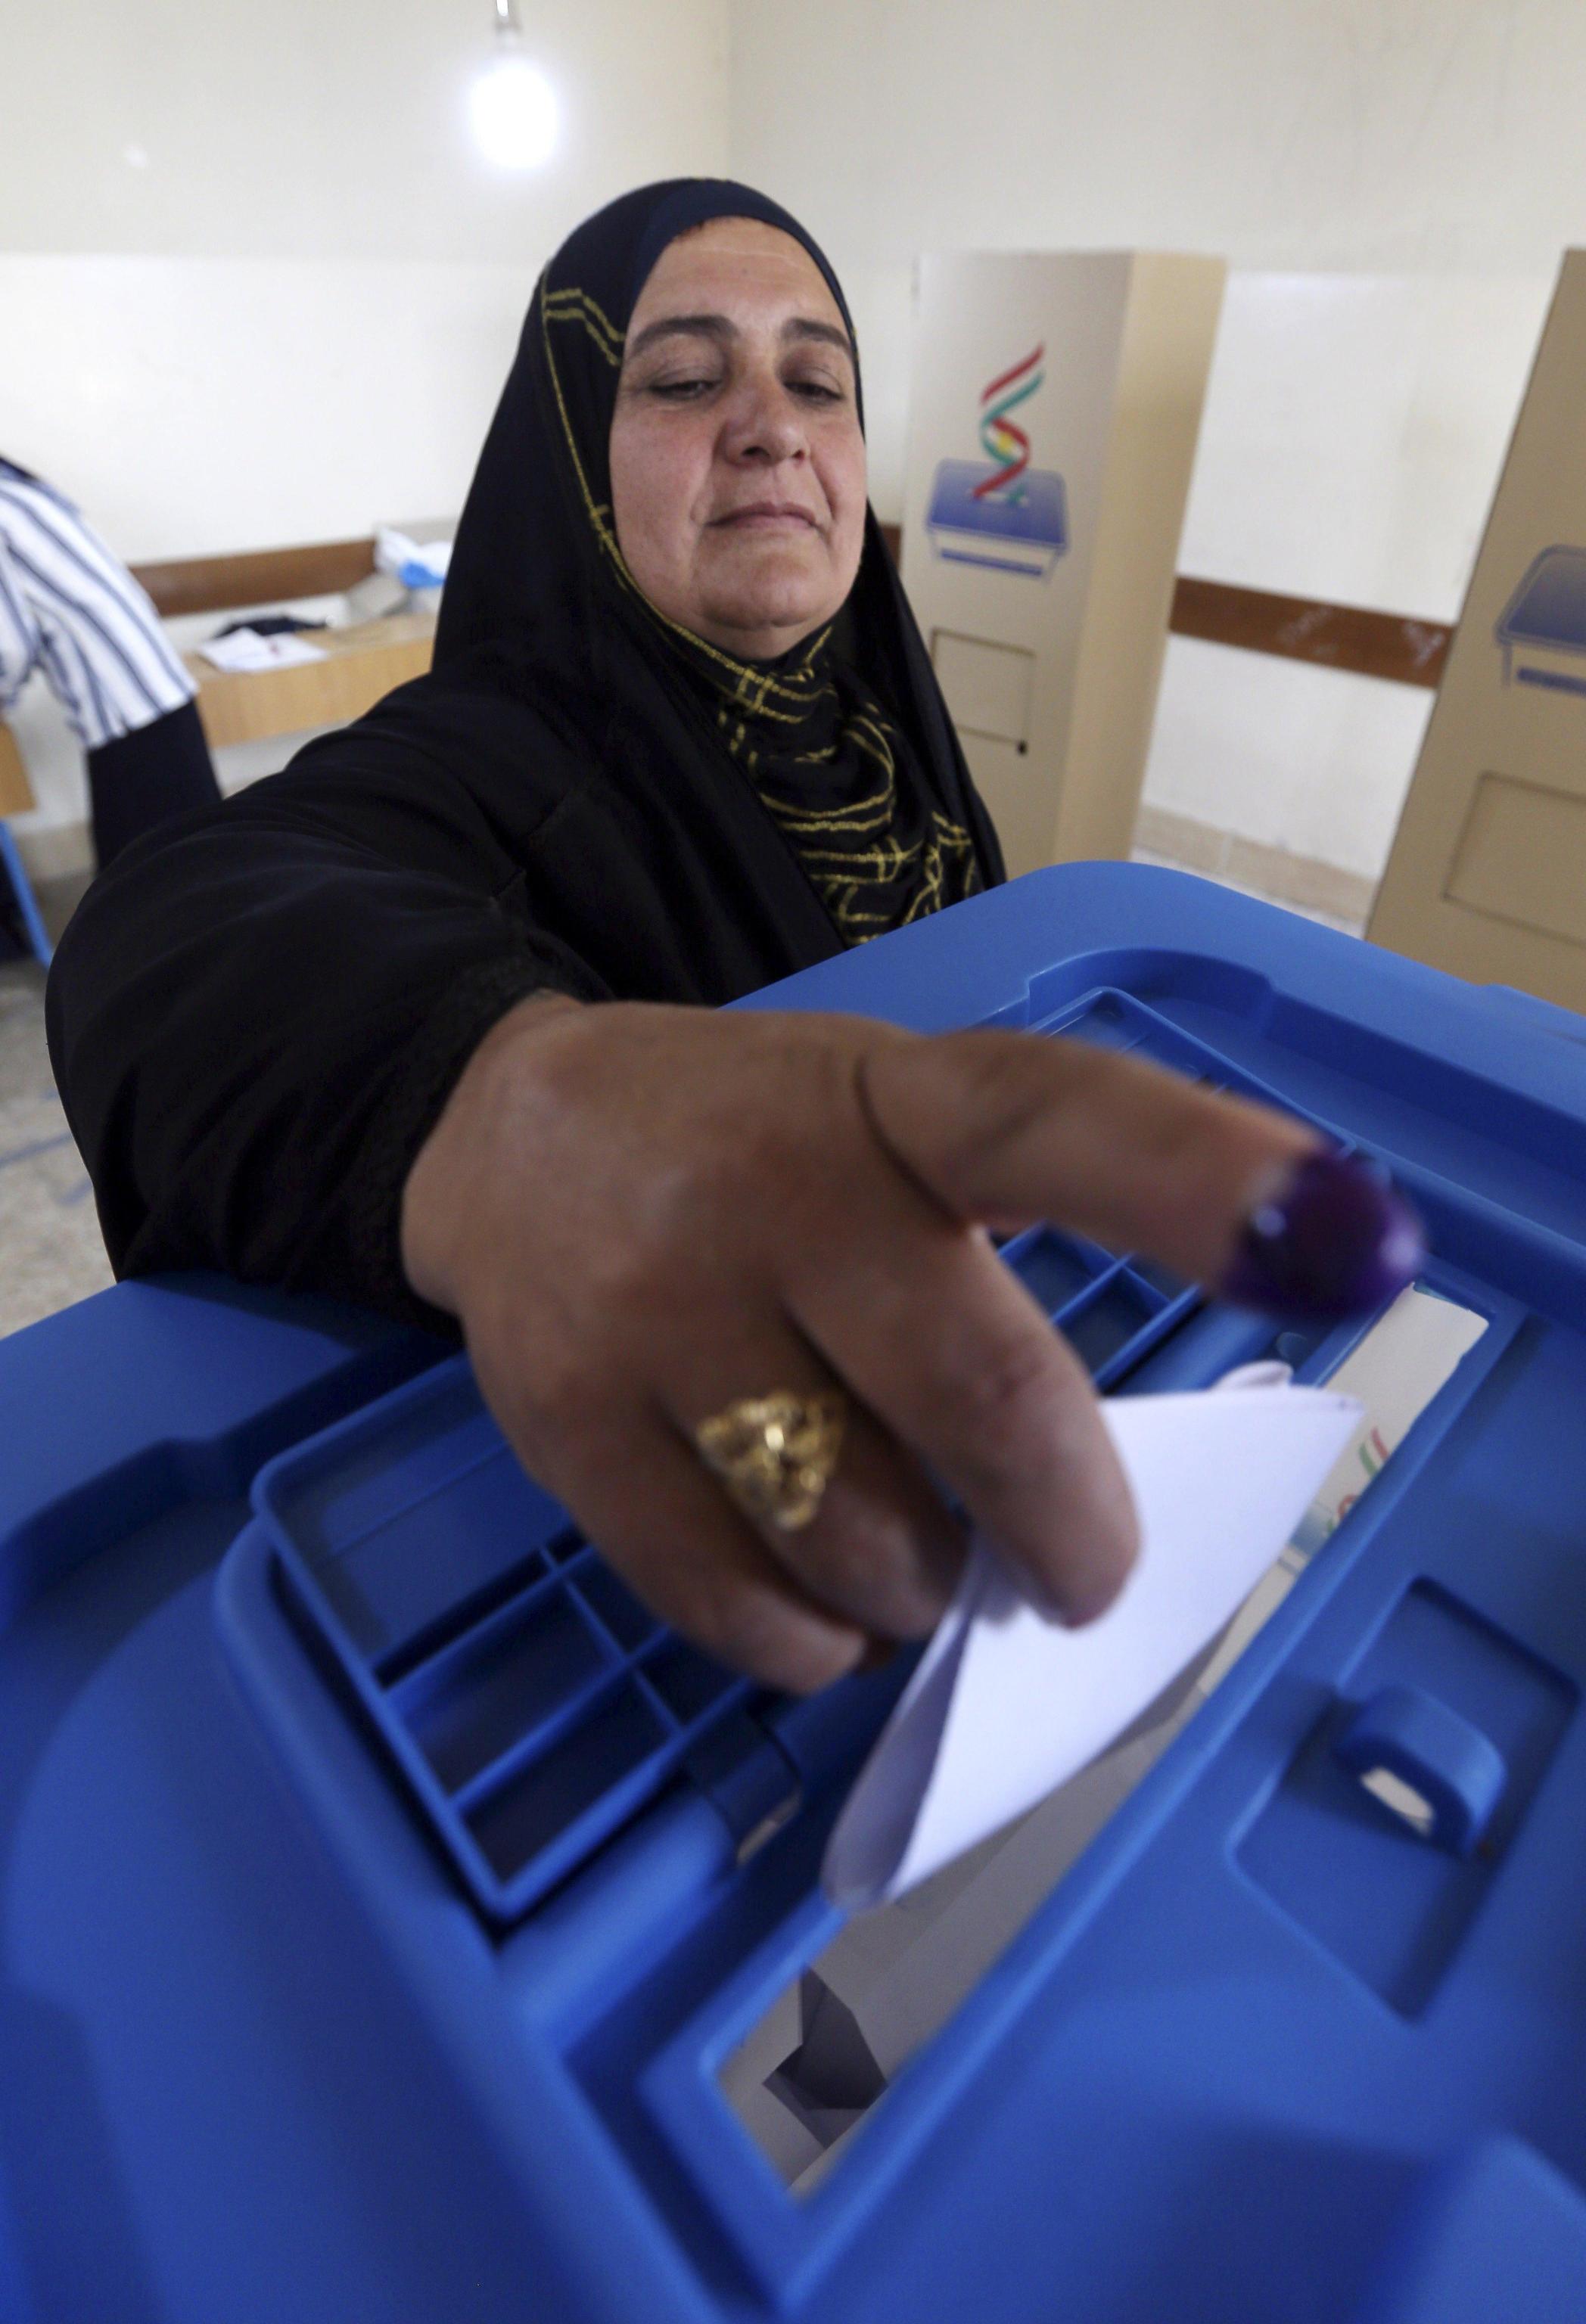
(387, 1902)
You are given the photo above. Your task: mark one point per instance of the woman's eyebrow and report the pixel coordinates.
(681, 327)
(723, 330)
(831, 334)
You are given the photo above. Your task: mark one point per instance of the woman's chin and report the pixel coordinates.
(764, 639)
(760, 622)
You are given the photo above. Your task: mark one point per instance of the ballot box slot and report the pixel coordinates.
(811, 2069)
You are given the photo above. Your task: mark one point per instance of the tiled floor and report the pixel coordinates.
(50, 1252)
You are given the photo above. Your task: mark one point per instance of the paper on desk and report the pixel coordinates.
(246, 649)
(1004, 1705)
(416, 564)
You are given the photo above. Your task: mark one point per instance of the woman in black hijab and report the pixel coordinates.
(843, 737)
(680, 739)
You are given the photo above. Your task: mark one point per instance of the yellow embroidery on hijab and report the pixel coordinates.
(573, 306)
(845, 896)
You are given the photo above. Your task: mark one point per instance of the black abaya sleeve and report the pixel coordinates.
(256, 1015)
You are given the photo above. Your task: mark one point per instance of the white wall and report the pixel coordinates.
(256, 285)
(1353, 430)
(193, 405)
(335, 128)
(1392, 181)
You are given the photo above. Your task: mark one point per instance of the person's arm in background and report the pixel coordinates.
(69, 608)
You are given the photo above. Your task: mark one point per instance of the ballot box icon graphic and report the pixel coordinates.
(1542, 631)
(1027, 535)
(1001, 511)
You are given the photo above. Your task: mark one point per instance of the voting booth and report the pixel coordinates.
(1486, 876)
(1055, 407)
(399, 1923)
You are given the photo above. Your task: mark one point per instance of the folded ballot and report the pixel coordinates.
(1006, 1704)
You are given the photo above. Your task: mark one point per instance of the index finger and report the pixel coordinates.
(939, 1339)
(1005, 1128)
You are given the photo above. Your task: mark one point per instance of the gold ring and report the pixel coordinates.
(776, 1454)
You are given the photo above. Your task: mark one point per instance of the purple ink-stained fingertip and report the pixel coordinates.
(1334, 1238)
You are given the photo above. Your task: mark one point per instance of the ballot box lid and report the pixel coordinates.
(386, 1888)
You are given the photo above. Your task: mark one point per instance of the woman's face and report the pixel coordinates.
(737, 462)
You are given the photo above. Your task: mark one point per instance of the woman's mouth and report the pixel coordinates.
(765, 516)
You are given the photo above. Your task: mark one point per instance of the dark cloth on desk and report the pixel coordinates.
(256, 1021)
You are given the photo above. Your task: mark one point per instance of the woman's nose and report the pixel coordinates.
(764, 423)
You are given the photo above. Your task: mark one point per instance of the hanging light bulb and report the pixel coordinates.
(512, 106)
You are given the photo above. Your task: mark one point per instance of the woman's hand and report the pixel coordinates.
(640, 1214)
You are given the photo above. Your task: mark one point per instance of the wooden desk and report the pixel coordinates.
(17, 793)
(361, 664)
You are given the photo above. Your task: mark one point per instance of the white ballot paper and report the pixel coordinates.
(245, 650)
(1006, 1705)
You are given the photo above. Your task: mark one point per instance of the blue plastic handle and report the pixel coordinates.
(1457, 1770)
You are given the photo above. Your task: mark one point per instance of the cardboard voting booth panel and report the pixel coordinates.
(1056, 401)
(1488, 873)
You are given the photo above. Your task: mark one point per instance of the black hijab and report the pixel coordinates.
(845, 742)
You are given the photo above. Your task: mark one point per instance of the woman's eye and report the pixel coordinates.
(681, 391)
(816, 391)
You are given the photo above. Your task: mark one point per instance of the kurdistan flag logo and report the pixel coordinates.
(1001, 512)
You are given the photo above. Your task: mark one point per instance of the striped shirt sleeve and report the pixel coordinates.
(69, 608)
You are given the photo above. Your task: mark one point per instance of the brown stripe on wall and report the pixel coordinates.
(215, 585)
(1303, 629)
